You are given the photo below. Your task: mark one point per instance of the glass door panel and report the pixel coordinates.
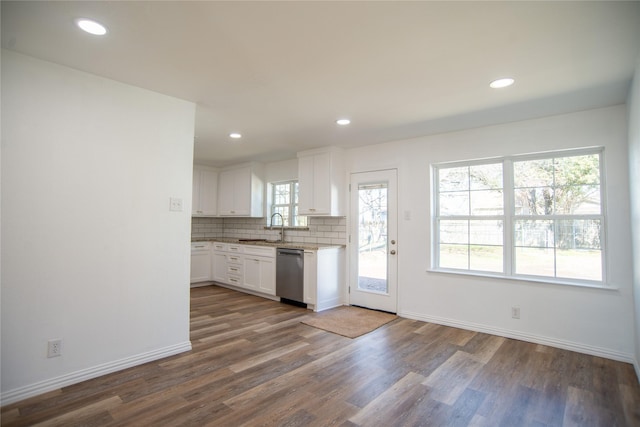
(372, 238)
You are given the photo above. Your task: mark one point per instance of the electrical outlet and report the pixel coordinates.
(54, 348)
(515, 312)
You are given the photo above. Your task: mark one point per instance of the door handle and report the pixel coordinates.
(393, 252)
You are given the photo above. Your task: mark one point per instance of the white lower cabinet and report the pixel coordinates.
(219, 267)
(235, 264)
(251, 273)
(200, 262)
(324, 278)
(253, 268)
(310, 277)
(260, 274)
(268, 276)
(260, 269)
(219, 259)
(245, 266)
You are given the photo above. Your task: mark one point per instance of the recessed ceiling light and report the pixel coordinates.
(343, 122)
(235, 135)
(91, 27)
(500, 83)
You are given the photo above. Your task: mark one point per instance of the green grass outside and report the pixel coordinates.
(570, 264)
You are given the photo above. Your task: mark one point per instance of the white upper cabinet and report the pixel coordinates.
(321, 182)
(240, 191)
(205, 192)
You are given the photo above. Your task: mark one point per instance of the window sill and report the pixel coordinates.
(531, 279)
(277, 227)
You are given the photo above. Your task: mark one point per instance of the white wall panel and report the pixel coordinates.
(591, 320)
(285, 170)
(634, 180)
(91, 253)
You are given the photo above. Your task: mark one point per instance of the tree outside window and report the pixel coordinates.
(552, 216)
(558, 217)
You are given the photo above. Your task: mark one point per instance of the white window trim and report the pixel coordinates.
(271, 204)
(509, 216)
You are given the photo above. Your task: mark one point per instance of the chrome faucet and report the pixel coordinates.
(281, 227)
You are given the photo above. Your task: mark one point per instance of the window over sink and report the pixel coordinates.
(284, 200)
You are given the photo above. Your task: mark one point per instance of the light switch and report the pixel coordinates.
(175, 204)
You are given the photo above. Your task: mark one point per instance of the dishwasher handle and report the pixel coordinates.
(290, 252)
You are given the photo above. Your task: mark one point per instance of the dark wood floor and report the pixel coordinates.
(254, 363)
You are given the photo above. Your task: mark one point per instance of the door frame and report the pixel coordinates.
(352, 244)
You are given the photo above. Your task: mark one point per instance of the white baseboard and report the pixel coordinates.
(328, 304)
(200, 284)
(35, 389)
(537, 339)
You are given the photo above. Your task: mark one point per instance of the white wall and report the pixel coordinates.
(90, 252)
(590, 320)
(285, 170)
(634, 179)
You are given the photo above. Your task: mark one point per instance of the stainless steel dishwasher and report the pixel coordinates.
(289, 275)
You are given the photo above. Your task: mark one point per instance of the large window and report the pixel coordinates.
(284, 200)
(534, 216)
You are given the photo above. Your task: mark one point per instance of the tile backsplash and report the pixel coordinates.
(204, 228)
(322, 230)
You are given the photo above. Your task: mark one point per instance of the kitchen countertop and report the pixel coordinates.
(270, 243)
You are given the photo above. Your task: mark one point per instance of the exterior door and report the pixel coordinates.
(373, 240)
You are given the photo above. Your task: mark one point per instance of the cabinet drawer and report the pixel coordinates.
(260, 251)
(234, 269)
(235, 280)
(234, 259)
(235, 248)
(199, 246)
(220, 247)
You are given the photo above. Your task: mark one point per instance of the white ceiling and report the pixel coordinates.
(281, 73)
